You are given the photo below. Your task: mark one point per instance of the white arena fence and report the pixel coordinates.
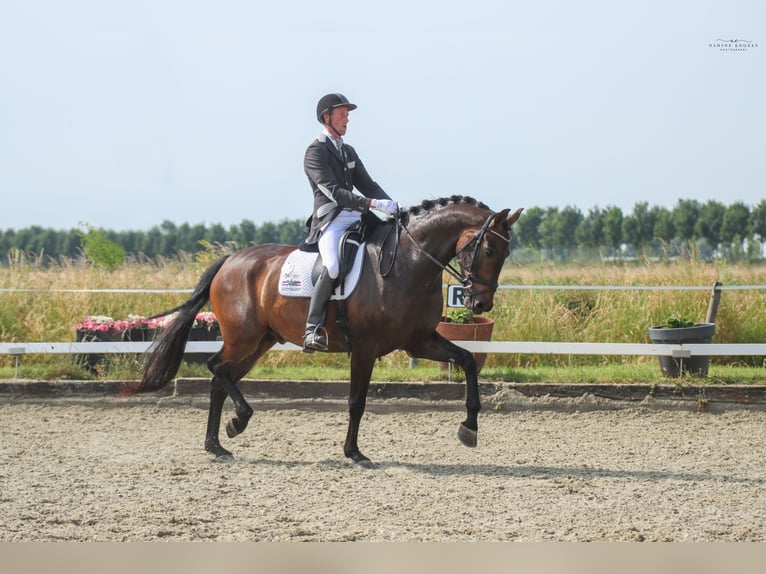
(513, 347)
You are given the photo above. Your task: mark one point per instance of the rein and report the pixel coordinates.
(464, 279)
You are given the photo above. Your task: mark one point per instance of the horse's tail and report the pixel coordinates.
(167, 350)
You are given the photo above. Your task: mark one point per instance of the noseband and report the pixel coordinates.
(464, 276)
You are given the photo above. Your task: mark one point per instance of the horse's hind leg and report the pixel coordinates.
(223, 387)
(217, 398)
(226, 374)
(242, 409)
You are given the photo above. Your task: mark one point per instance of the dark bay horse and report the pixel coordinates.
(396, 306)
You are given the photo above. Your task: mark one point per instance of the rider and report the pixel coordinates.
(334, 170)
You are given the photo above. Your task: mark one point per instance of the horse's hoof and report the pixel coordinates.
(219, 452)
(361, 461)
(467, 436)
(231, 429)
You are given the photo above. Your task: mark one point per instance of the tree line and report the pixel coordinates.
(164, 240)
(709, 230)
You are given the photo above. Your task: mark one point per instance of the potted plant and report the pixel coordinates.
(680, 330)
(94, 329)
(204, 328)
(460, 324)
(137, 328)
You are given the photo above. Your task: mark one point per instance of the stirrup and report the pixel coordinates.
(315, 339)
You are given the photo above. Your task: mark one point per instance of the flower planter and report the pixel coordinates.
(675, 367)
(137, 335)
(89, 336)
(202, 334)
(139, 329)
(479, 330)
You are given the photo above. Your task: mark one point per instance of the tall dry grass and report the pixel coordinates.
(623, 316)
(39, 311)
(42, 310)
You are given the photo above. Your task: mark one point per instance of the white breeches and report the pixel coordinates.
(330, 239)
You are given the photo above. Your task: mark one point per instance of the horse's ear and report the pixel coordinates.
(515, 216)
(499, 218)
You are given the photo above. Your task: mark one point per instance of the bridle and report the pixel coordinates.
(463, 275)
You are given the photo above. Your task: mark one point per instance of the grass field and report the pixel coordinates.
(35, 306)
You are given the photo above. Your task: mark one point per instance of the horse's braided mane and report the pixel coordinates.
(431, 204)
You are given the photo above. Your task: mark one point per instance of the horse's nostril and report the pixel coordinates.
(481, 307)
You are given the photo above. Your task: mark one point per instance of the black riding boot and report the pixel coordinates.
(315, 338)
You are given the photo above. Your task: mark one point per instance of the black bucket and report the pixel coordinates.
(675, 367)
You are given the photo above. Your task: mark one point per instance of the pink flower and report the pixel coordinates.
(206, 319)
(100, 323)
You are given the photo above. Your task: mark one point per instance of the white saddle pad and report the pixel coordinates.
(295, 276)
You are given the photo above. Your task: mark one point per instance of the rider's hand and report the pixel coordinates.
(387, 206)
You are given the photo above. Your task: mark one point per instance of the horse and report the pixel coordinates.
(396, 305)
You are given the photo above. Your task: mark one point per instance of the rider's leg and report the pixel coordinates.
(315, 337)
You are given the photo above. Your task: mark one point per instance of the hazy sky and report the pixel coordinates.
(123, 114)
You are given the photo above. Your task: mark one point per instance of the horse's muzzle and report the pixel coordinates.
(477, 306)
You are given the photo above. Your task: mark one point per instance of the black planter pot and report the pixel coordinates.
(674, 367)
(202, 334)
(137, 335)
(87, 336)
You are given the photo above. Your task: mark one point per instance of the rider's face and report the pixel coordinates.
(339, 120)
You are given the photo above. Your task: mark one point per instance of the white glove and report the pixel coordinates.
(387, 206)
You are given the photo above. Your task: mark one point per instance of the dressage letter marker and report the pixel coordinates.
(455, 294)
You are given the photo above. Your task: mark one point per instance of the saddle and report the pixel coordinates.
(303, 266)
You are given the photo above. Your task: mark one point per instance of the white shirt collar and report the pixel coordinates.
(337, 141)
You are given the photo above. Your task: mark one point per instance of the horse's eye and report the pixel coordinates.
(489, 252)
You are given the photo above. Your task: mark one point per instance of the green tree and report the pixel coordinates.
(735, 229)
(664, 227)
(757, 222)
(247, 229)
(216, 234)
(292, 232)
(528, 227)
(169, 241)
(99, 249)
(152, 244)
(685, 215)
(590, 232)
(548, 229)
(569, 219)
(613, 227)
(196, 234)
(709, 222)
(267, 233)
(638, 227)
(736, 222)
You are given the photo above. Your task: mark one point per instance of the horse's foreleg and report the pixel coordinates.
(468, 430)
(361, 371)
(437, 348)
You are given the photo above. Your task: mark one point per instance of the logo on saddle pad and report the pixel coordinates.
(295, 276)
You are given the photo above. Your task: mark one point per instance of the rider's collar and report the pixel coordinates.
(337, 141)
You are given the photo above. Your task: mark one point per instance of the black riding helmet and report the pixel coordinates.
(330, 102)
